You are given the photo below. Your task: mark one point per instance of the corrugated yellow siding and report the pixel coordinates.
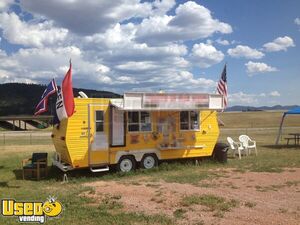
(74, 149)
(205, 139)
(58, 133)
(206, 136)
(77, 131)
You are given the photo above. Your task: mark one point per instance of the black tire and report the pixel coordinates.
(220, 152)
(126, 164)
(149, 161)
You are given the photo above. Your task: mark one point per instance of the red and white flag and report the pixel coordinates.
(65, 98)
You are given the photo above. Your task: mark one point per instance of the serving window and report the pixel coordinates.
(139, 121)
(189, 120)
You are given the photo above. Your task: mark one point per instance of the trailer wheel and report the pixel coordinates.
(126, 164)
(149, 161)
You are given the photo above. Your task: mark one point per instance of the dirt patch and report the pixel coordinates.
(260, 198)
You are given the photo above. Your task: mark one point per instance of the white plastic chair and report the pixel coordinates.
(236, 147)
(248, 143)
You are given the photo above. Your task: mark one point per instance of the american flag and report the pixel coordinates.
(222, 87)
(42, 106)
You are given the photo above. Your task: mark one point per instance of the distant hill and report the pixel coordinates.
(261, 108)
(21, 99)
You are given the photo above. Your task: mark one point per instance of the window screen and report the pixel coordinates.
(99, 121)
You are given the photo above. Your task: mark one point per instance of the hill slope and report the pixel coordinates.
(261, 108)
(21, 99)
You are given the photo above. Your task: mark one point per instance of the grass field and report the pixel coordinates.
(260, 119)
(80, 207)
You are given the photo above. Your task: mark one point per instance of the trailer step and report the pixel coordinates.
(62, 166)
(97, 170)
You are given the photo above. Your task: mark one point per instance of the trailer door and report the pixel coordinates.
(117, 127)
(98, 135)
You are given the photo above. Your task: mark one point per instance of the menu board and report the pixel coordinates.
(175, 101)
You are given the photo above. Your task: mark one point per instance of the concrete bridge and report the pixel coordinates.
(25, 122)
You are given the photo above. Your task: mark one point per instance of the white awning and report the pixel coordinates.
(139, 101)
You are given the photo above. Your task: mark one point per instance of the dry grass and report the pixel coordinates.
(80, 209)
(260, 119)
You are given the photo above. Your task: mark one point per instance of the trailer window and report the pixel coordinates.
(133, 121)
(189, 120)
(139, 121)
(194, 123)
(145, 121)
(99, 121)
(184, 120)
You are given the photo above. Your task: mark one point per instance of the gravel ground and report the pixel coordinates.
(263, 198)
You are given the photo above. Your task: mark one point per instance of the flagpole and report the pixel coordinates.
(51, 110)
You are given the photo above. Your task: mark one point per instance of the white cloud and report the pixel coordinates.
(161, 7)
(245, 51)
(297, 21)
(191, 21)
(40, 65)
(226, 42)
(274, 94)
(143, 64)
(279, 44)
(117, 44)
(138, 66)
(191, 13)
(105, 42)
(205, 55)
(242, 98)
(118, 36)
(43, 64)
(222, 41)
(126, 80)
(93, 16)
(114, 45)
(258, 67)
(104, 79)
(185, 81)
(6, 76)
(4, 4)
(30, 34)
(262, 95)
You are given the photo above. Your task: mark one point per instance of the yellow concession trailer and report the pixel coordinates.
(138, 129)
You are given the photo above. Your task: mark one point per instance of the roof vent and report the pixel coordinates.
(82, 94)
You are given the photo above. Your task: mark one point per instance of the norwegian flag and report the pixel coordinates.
(222, 87)
(65, 105)
(42, 106)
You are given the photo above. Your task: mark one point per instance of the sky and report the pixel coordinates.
(174, 46)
